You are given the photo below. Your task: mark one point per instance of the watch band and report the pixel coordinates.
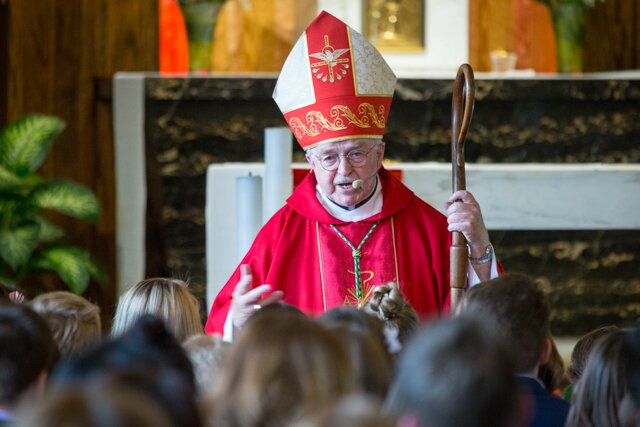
(485, 258)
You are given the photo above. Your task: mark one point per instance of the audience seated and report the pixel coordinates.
(515, 308)
(454, 373)
(98, 407)
(580, 353)
(146, 358)
(205, 353)
(74, 321)
(361, 334)
(280, 367)
(603, 385)
(168, 299)
(27, 353)
(401, 321)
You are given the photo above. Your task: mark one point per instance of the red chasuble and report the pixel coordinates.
(298, 252)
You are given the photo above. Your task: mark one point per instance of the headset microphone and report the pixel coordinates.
(357, 183)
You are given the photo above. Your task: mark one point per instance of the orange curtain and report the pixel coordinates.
(174, 51)
(533, 37)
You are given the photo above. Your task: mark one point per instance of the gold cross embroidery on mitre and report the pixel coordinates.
(329, 57)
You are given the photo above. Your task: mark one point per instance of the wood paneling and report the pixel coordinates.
(612, 36)
(56, 52)
(4, 58)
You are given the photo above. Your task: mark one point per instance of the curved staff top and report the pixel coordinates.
(461, 112)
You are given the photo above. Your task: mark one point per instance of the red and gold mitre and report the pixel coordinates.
(334, 85)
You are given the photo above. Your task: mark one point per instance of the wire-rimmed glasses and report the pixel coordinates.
(356, 158)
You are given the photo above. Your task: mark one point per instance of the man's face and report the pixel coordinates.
(337, 184)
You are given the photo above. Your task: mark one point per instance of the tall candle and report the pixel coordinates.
(278, 179)
(248, 211)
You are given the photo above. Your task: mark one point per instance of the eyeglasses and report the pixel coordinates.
(356, 158)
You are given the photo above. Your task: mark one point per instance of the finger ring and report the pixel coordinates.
(257, 306)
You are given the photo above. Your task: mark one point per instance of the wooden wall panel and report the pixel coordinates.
(612, 36)
(4, 58)
(58, 51)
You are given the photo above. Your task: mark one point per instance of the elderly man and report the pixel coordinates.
(350, 225)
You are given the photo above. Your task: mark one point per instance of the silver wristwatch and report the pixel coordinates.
(485, 258)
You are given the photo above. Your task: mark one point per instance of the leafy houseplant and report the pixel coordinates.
(30, 243)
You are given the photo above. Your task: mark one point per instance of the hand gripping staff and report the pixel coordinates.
(461, 112)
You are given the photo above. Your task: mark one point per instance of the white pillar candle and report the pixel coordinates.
(248, 211)
(278, 178)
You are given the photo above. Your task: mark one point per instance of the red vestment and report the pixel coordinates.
(297, 252)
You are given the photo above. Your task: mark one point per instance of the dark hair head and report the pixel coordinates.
(369, 358)
(147, 358)
(279, 367)
(27, 349)
(630, 407)
(277, 307)
(353, 318)
(99, 407)
(583, 347)
(632, 356)
(515, 308)
(455, 373)
(602, 386)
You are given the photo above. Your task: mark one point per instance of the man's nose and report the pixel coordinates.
(344, 166)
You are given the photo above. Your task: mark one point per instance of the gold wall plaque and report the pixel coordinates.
(395, 25)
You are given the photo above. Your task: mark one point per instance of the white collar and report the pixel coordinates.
(372, 207)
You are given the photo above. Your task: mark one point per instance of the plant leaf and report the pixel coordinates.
(68, 198)
(8, 179)
(17, 245)
(69, 262)
(24, 144)
(48, 231)
(96, 270)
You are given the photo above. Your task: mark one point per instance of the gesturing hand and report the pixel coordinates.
(246, 300)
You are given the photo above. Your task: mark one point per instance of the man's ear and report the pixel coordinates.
(380, 153)
(546, 351)
(309, 157)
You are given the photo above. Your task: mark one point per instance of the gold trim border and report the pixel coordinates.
(324, 298)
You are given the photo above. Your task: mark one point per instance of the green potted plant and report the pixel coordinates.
(31, 244)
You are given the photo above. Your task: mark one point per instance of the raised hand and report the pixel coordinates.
(246, 300)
